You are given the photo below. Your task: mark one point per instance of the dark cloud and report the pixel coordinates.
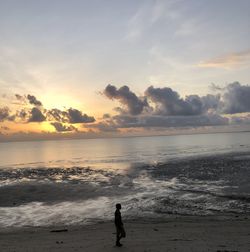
(160, 121)
(168, 109)
(63, 128)
(22, 114)
(106, 126)
(134, 104)
(168, 102)
(57, 115)
(69, 116)
(76, 116)
(24, 99)
(36, 115)
(210, 102)
(169, 121)
(5, 115)
(32, 100)
(235, 98)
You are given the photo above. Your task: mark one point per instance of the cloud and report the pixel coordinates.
(63, 128)
(24, 99)
(167, 109)
(32, 100)
(134, 104)
(168, 102)
(160, 121)
(36, 115)
(171, 121)
(22, 114)
(210, 102)
(69, 116)
(228, 61)
(76, 116)
(5, 115)
(57, 115)
(106, 126)
(235, 98)
(159, 108)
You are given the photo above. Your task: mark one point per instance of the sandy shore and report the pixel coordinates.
(177, 234)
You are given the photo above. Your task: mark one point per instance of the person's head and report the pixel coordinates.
(118, 206)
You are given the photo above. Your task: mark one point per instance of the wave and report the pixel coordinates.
(193, 186)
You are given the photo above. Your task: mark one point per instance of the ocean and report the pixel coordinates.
(77, 182)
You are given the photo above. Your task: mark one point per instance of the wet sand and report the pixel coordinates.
(176, 234)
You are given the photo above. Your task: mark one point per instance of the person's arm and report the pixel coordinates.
(118, 219)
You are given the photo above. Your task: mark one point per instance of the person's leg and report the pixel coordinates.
(118, 236)
(123, 233)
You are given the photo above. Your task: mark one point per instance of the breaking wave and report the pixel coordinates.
(44, 196)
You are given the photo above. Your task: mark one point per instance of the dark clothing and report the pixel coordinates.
(118, 218)
(120, 232)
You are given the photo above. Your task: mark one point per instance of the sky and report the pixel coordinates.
(81, 68)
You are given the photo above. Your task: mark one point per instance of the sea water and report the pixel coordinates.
(67, 182)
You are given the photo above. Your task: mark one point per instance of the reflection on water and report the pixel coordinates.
(118, 152)
(80, 181)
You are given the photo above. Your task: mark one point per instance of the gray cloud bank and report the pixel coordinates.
(163, 107)
(234, 98)
(151, 121)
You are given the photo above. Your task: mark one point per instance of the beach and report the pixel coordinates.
(124, 112)
(220, 233)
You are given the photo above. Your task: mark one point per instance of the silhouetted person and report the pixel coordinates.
(120, 232)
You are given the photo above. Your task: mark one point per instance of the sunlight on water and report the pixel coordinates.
(112, 153)
(80, 181)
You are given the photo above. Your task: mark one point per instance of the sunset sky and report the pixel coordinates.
(78, 68)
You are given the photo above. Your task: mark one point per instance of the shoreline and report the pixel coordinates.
(179, 233)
